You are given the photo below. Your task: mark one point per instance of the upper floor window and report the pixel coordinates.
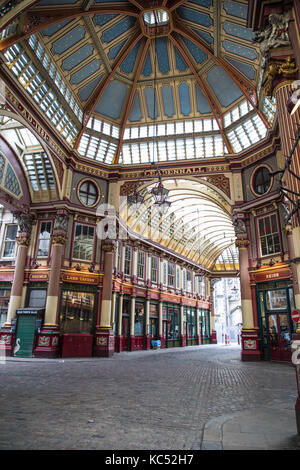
(44, 239)
(189, 281)
(268, 235)
(171, 274)
(178, 277)
(127, 260)
(9, 244)
(154, 269)
(141, 265)
(119, 251)
(165, 273)
(83, 242)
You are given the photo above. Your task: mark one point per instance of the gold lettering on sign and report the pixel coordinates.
(270, 276)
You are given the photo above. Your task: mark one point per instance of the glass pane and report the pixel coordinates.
(273, 331)
(285, 336)
(276, 299)
(77, 312)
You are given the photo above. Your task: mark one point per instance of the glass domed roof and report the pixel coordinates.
(134, 82)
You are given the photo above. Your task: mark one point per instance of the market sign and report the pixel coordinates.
(80, 278)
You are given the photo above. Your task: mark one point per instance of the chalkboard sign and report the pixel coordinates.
(30, 311)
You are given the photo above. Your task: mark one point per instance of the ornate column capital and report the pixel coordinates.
(23, 240)
(109, 246)
(242, 243)
(58, 239)
(25, 222)
(279, 73)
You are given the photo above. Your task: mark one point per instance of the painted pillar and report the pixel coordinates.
(182, 329)
(132, 321)
(160, 324)
(198, 326)
(119, 335)
(16, 301)
(47, 344)
(104, 340)
(213, 333)
(147, 323)
(250, 333)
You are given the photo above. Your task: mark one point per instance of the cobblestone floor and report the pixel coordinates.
(165, 399)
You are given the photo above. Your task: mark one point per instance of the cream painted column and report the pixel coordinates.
(160, 320)
(108, 246)
(25, 222)
(58, 239)
(147, 316)
(246, 298)
(121, 297)
(58, 242)
(15, 300)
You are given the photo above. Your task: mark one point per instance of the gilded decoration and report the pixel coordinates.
(279, 70)
(221, 182)
(242, 243)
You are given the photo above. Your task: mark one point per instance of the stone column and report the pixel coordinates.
(213, 333)
(160, 324)
(47, 344)
(147, 323)
(104, 341)
(119, 335)
(182, 332)
(132, 321)
(25, 222)
(250, 334)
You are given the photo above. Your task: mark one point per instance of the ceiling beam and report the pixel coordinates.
(34, 21)
(96, 95)
(131, 97)
(212, 103)
(173, 4)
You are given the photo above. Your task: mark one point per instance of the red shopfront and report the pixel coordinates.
(275, 302)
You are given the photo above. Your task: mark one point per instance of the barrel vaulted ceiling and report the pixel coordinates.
(104, 72)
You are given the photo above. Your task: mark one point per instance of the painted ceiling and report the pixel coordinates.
(107, 67)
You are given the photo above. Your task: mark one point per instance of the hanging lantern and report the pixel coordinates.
(159, 193)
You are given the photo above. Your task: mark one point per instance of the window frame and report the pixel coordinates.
(141, 265)
(4, 241)
(260, 167)
(171, 275)
(154, 269)
(38, 239)
(128, 260)
(88, 181)
(259, 237)
(76, 224)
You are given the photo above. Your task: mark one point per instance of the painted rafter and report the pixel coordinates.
(212, 103)
(172, 5)
(246, 87)
(131, 97)
(137, 4)
(33, 21)
(96, 95)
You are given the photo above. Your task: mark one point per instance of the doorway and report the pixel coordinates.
(279, 332)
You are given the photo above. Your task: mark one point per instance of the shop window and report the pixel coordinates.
(261, 180)
(4, 301)
(171, 274)
(268, 235)
(77, 312)
(139, 318)
(154, 269)
(44, 239)
(88, 193)
(9, 244)
(141, 265)
(127, 260)
(83, 242)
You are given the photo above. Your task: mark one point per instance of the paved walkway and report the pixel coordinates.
(200, 397)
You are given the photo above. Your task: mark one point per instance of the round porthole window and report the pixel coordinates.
(262, 179)
(88, 193)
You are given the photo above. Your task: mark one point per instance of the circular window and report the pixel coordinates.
(88, 193)
(261, 180)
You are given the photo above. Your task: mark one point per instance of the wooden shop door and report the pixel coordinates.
(25, 336)
(279, 337)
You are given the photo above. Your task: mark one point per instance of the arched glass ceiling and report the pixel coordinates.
(102, 80)
(198, 225)
(34, 159)
(228, 260)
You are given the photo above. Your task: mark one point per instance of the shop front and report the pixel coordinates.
(275, 304)
(171, 325)
(204, 321)
(77, 319)
(139, 324)
(190, 325)
(153, 321)
(5, 289)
